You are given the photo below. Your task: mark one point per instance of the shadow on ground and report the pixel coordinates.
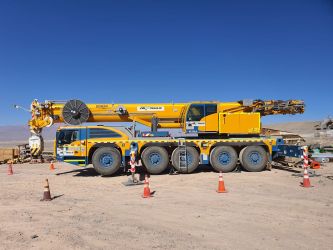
(84, 172)
(288, 168)
(90, 172)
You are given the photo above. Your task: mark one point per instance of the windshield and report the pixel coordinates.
(67, 136)
(196, 112)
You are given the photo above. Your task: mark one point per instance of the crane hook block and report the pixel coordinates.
(75, 112)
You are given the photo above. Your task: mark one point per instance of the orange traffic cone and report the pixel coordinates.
(221, 187)
(306, 179)
(47, 194)
(146, 188)
(52, 166)
(315, 165)
(10, 168)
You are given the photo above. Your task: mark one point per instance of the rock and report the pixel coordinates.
(34, 236)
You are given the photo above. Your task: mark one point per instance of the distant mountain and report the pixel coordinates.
(301, 128)
(22, 133)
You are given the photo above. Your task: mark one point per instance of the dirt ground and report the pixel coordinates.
(266, 210)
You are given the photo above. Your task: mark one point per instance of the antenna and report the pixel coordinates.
(20, 107)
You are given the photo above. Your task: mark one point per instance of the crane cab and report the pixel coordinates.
(202, 118)
(70, 145)
(214, 118)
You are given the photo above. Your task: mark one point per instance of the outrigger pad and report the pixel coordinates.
(130, 182)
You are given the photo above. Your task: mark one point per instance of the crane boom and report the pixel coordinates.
(169, 115)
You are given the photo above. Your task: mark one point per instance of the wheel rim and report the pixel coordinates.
(106, 160)
(224, 158)
(155, 158)
(255, 157)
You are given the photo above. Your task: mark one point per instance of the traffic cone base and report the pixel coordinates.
(46, 197)
(146, 196)
(306, 183)
(221, 189)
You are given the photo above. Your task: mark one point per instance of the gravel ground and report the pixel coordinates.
(266, 210)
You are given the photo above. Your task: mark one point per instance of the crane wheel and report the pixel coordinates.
(224, 158)
(192, 159)
(253, 158)
(75, 112)
(155, 159)
(106, 160)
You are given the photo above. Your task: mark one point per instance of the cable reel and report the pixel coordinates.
(75, 112)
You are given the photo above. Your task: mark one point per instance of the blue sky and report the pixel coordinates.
(163, 51)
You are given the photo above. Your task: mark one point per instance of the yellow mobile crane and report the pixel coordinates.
(224, 133)
(207, 119)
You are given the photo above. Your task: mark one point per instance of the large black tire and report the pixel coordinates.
(106, 160)
(224, 158)
(192, 160)
(155, 159)
(253, 158)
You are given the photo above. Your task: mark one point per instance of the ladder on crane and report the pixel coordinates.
(183, 164)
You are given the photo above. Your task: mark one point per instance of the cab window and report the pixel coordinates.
(102, 133)
(196, 112)
(67, 136)
(210, 109)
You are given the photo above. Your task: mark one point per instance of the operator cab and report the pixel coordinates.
(70, 145)
(72, 142)
(200, 118)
